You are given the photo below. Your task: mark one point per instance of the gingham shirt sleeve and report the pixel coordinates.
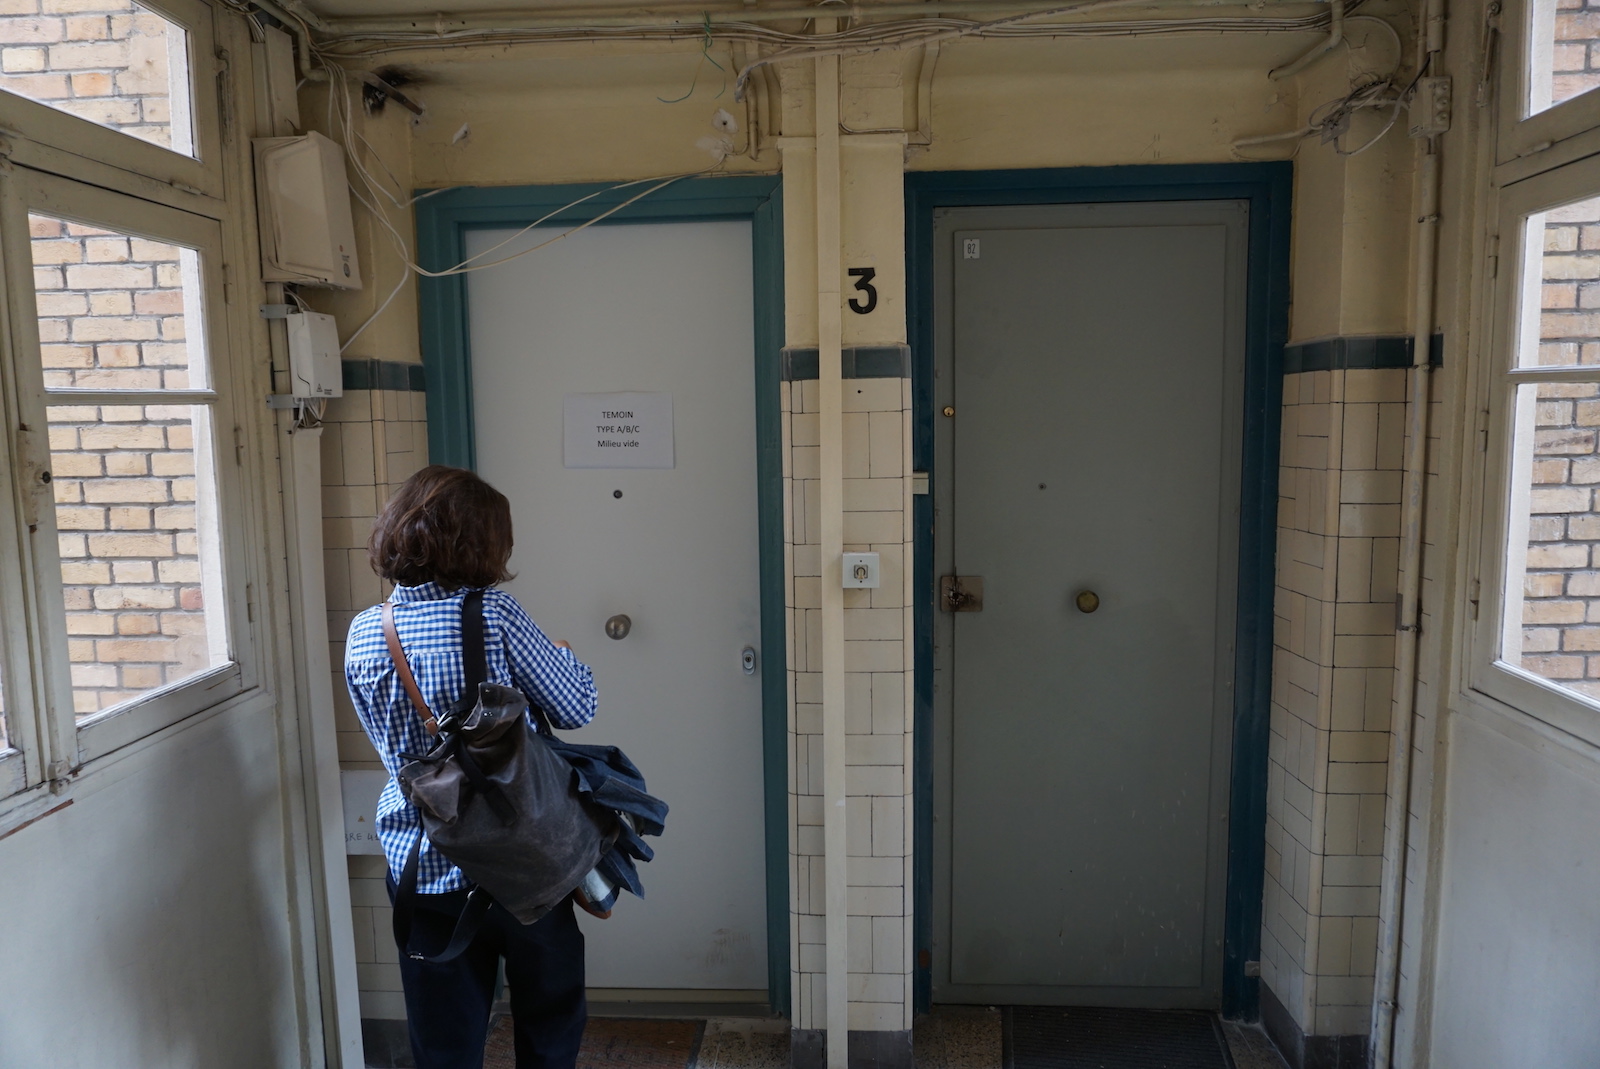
(549, 676)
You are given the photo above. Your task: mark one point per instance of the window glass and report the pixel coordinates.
(1553, 628)
(116, 312)
(133, 478)
(1552, 621)
(112, 62)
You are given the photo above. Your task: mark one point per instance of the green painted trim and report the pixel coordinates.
(372, 374)
(768, 259)
(442, 223)
(1267, 187)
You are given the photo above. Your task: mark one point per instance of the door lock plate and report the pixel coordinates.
(961, 593)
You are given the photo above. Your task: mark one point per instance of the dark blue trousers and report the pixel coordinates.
(448, 1004)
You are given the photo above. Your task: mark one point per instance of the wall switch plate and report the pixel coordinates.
(861, 571)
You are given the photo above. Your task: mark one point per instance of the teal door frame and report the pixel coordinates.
(444, 219)
(1267, 187)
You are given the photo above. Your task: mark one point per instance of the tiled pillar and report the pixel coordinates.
(876, 432)
(374, 438)
(877, 429)
(1338, 539)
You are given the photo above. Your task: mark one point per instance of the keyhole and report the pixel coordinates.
(45, 477)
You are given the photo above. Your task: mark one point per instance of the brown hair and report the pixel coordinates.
(444, 525)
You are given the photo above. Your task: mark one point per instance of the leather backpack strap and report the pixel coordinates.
(403, 670)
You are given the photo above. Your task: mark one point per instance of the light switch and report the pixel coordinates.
(861, 571)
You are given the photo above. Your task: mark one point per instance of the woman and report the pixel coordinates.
(444, 533)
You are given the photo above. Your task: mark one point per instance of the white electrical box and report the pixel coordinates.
(314, 368)
(360, 788)
(303, 204)
(861, 571)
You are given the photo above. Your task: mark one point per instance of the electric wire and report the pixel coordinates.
(854, 38)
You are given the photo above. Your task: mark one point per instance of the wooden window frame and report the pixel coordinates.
(39, 135)
(1488, 674)
(199, 202)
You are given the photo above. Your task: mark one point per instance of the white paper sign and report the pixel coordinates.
(617, 430)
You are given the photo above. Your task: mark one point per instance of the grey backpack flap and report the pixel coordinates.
(493, 797)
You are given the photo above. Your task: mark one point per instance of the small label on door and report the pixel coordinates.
(617, 430)
(969, 248)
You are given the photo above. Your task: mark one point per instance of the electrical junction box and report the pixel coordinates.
(314, 368)
(303, 204)
(861, 571)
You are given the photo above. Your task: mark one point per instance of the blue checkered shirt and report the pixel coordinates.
(429, 621)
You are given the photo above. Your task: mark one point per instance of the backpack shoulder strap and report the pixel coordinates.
(474, 657)
(397, 654)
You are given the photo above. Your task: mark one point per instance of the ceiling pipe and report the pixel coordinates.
(696, 20)
(1335, 39)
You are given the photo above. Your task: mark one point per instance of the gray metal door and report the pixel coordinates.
(1088, 427)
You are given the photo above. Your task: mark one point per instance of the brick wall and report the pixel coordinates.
(1575, 58)
(112, 317)
(108, 61)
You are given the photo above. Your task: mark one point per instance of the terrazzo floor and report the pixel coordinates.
(952, 1037)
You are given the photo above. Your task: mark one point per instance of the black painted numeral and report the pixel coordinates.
(864, 277)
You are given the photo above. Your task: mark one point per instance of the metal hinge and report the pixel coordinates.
(58, 774)
(1400, 623)
(1492, 255)
(227, 284)
(1477, 591)
(961, 593)
(250, 602)
(238, 445)
(36, 477)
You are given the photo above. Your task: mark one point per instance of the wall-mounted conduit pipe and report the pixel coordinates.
(1335, 39)
(1397, 805)
(830, 421)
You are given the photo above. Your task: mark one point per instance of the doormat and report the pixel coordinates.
(612, 1043)
(1053, 1037)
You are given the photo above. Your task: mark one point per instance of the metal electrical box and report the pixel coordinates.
(303, 203)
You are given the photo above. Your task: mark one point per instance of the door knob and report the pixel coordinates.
(1088, 601)
(618, 626)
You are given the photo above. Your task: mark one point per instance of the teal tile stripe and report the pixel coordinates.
(856, 362)
(1357, 352)
(383, 375)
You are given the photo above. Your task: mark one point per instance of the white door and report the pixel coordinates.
(653, 308)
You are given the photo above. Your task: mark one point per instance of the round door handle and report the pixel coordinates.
(1087, 601)
(618, 626)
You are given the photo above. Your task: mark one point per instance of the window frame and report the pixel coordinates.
(1520, 260)
(23, 191)
(44, 134)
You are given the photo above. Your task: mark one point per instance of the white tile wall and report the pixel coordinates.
(878, 659)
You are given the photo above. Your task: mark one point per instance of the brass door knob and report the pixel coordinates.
(618, 626)
(1087, 601)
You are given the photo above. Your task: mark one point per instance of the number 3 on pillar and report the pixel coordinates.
(864, 277)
